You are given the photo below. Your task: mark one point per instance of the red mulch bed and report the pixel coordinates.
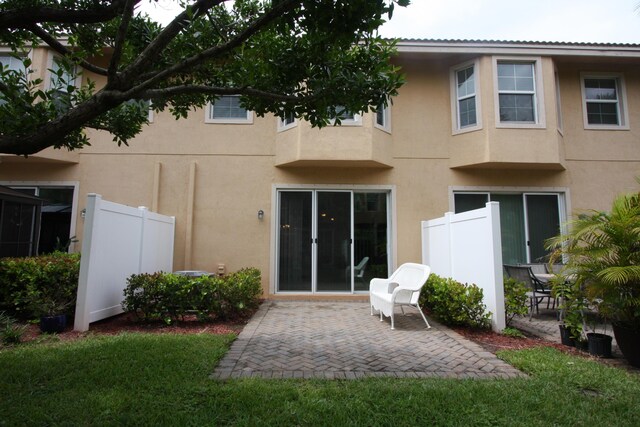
(494, 342)
(128, 322)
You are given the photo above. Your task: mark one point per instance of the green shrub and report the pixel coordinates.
(10, 331)
(513, 332)
(515, 299)
(169, 297)
(240, 291)
(33, 285)
(454, 303)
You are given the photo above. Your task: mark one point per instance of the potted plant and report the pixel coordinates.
(602, 250)
(571, 305)
(53, 317)
(51, 306)
(599, 344)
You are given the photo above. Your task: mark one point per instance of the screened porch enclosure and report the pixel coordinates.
(526, 221)
(19, 223)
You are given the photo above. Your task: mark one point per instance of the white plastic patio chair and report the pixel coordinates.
(402, 289)
(358, 270)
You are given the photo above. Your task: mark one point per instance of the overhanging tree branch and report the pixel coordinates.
(151, 52)
(275, 53)
(216, 51)
(21, 17)
(62, 50)
(120, 39)
(211, 90)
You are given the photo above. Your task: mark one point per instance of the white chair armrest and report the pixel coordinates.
(399, 291)
(379, 286)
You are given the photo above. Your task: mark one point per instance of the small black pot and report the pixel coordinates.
(582, 345)
(599, 344)
(565, 337)
(53, 324)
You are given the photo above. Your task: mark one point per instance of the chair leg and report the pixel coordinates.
(392, 324)
(423, 316)
(530, 307)
(381, 315)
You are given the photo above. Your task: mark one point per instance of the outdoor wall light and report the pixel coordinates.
(260, 214)
(83, 212)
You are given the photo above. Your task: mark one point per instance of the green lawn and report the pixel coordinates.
(150, 379)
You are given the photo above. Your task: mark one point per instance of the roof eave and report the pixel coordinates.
(493, 47)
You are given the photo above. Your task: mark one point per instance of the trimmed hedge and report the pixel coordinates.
(454, 303)
(33, 285)
(170, 297)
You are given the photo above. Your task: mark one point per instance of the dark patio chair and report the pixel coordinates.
(554, 268)
(536, 268)
(538, 292)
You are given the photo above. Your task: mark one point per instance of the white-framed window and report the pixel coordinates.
(65, 79)
(382, 118)
(145, 108)
(558, 102)
(61, 80)
(519, 100)
(287, 122)
(227, 109)
(465, 100)
(603, 101)
(10, 62)
(347, 118)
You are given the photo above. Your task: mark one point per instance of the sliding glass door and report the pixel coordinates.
(294, 241)
(331, 241)
(543, 222)
(334, 241)
(527, 220)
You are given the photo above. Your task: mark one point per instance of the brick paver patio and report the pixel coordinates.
(340, 340)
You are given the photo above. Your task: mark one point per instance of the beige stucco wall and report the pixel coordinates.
(236, 165)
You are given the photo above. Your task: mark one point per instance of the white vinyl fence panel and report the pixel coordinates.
(467, 248)
(118, 241)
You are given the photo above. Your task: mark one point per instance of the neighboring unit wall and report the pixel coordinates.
(601, 163)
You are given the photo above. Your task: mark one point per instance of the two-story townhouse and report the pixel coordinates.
(546, 129)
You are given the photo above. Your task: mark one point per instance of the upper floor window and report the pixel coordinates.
(383, 118)
(287, 122)
(12, 63)
(517, 92)
(227, 109)
(465, 104)
(558, 102)
(61, 77)
(603, 101)
(519, 95)
(144, 107)
(346, 117)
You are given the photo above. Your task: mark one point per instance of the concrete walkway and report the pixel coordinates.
(341, 340)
